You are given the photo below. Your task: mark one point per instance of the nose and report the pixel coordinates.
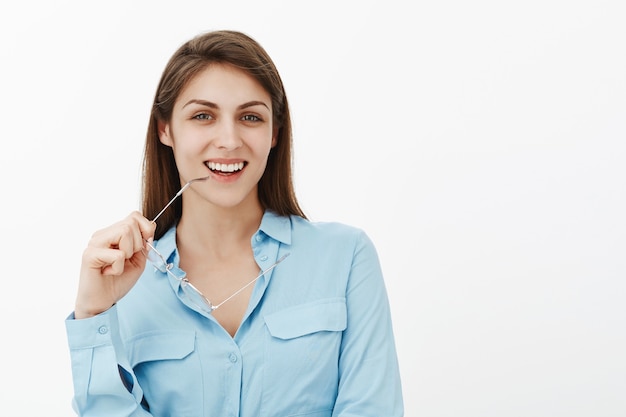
(227, 136)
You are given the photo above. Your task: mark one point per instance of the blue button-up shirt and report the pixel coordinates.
(316, 339)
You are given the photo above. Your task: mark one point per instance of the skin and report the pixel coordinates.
(224, 116)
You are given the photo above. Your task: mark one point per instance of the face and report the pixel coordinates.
(221, 126)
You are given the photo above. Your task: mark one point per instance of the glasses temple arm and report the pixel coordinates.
(170, 202)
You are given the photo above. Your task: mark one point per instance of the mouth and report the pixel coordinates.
(225, 168)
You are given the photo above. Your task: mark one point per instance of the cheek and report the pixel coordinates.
(265, 148)
(260, 142)
(187, 142)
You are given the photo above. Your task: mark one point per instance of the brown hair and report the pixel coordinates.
(160, 174)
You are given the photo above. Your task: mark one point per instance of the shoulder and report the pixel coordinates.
(328, 232)
(323, 227)
(318, 236)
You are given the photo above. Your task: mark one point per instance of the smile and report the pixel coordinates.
(226, 168)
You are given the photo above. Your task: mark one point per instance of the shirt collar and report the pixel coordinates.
(277, 227)
(273, 225)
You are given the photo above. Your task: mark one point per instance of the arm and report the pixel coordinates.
(112, 262)
(369, 382)
(104, 385)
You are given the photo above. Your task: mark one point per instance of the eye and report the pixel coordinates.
(203, 116)
(251, 118)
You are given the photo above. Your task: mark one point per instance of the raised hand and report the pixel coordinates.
(112, 263)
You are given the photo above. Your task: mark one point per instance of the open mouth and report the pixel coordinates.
(225, 169)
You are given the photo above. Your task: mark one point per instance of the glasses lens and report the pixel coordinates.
(156, 259)
(196, 297)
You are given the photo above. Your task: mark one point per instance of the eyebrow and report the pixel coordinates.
(215, 106)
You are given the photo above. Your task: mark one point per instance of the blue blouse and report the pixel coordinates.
(315, 341)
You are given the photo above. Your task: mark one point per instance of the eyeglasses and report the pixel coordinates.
(192, 293)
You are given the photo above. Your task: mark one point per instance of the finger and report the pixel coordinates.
(126, 239)
(138, 260)
(124, 235)
(107, 261)
(109, 236)
(146, 227)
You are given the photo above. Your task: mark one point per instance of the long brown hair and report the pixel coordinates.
(160, 174)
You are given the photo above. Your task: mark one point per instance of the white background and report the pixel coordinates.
(481, 144)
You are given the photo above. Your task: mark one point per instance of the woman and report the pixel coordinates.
(228, 302)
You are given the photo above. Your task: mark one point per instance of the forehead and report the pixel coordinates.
(223, 85)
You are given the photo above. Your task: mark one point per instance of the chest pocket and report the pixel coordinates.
(323, 315)
(302, 349)
(166, 364)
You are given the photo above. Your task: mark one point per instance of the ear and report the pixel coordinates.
(274, 137)
(165, 135)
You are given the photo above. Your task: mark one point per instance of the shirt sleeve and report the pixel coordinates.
(369, 382)
(104, 383)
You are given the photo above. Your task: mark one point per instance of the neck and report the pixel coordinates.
(218, 232)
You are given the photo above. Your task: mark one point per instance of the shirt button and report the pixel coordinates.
(233, 358)
(263, 258)
(103, 330)
(259, 238)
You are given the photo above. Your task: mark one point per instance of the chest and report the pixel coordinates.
(227, 285)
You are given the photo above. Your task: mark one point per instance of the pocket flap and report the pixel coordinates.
(161, 345)
(322, 315)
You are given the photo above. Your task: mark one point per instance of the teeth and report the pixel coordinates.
(213, 166)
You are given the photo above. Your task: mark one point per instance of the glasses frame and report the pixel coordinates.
(191, 292)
